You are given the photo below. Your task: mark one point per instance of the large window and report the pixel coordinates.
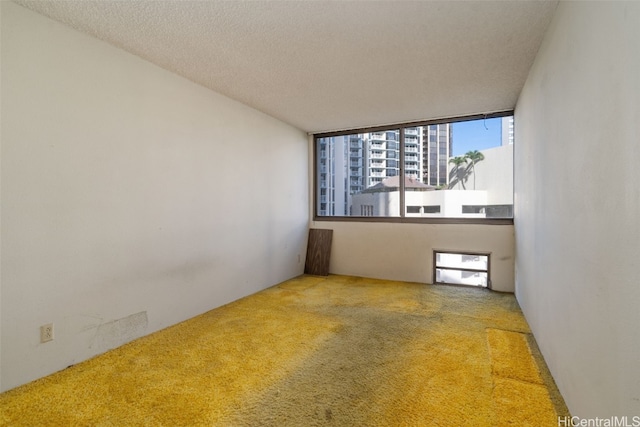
(458, 169)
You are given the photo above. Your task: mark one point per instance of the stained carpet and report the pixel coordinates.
(336, 351)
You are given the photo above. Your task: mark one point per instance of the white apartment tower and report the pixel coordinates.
(382, 155)
(413, 167)
(507, 130)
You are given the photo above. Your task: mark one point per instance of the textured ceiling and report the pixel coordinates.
(329, 65)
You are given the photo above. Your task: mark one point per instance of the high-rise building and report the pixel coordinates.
(507, 130)
(341, 173)
(351, 163)
(413, 153)
(437, 148)
(382, 151)
(382, 156)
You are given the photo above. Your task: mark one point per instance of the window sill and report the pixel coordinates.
(406, 220)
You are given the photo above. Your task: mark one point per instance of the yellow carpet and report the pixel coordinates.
(341, 351)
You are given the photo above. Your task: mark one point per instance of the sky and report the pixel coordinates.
(476, 135)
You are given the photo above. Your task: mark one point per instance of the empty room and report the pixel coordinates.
(309, 213)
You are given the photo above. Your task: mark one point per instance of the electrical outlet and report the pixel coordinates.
(46, 332)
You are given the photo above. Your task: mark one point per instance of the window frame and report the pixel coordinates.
(402, 218)
(456, 252)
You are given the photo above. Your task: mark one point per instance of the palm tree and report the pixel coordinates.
(474, 156)
(457, 162)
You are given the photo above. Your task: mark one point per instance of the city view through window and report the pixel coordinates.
(461, 169)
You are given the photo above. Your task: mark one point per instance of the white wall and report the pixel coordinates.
(405, 251)
(495, 175)
(132, 199)
(577, 205)
(387, 203)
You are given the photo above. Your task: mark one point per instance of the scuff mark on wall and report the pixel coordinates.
(118, 332)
